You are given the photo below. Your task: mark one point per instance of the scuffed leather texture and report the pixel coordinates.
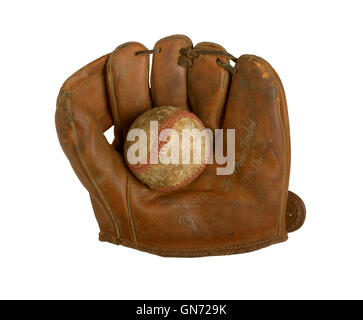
(213, 215)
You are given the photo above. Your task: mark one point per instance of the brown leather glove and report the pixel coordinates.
(215, 214)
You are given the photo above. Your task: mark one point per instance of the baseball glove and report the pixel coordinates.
(215, 214)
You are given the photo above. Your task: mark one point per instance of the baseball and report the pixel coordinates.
(167, 148)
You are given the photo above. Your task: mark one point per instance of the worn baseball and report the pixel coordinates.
(167, 148)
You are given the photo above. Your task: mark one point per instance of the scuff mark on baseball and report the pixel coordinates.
(172, 176)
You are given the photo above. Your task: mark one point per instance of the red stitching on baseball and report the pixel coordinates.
(169, 123)
(185, 181)
(178, 116)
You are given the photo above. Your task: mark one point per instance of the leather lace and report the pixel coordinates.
(145, 52)
(187, 55)
(189, 52)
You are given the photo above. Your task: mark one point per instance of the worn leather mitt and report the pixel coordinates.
(214, 215)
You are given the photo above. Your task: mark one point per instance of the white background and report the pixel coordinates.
(49, 244)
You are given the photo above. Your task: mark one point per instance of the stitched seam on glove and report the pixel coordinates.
(283, 194)
(209, 250)
(114, 102)
(89, 173)
(129, 208)
(114, 107)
